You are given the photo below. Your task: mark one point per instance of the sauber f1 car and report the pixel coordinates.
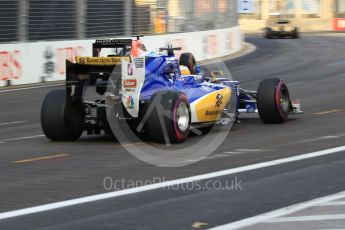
(166, 96)
(280, 28)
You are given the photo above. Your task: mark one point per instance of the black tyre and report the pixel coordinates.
(93, 79)
(54, 123)
(169, 119)
(187, 59)
(268, 33)
(295, 33)
(273, 101)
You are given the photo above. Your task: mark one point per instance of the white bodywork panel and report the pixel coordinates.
(133, 76)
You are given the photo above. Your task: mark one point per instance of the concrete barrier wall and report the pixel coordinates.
(26, 63)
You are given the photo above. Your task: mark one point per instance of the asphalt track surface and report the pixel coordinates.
(36, 171)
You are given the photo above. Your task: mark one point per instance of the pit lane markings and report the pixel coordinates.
(332, 203)
(222, 155)
(196, 160)
(234, 153)
(225, 154)
(296, 83)
(337, 63)
(329, 137)
(317, 139)
(150, 187)
(21, 138)
(251, 150)
(41, 158)
(199, 225)
(329, 111)
(307, 218)
(27, 88)
(12, 123)
(271, 216)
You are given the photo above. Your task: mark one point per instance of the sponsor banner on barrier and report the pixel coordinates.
(26, 63)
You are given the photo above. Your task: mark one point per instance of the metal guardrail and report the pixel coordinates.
(36, 20)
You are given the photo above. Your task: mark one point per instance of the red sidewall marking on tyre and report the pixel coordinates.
(180, 136)
(278, 97)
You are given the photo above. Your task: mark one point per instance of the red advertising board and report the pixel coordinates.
(339, 24)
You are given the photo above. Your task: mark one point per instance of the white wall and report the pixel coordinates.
(24, 63)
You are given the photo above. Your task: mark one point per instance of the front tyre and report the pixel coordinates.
(54, 122)
(273, 101)
(169, 118)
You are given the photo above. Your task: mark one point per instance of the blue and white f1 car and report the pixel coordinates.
(163, 95)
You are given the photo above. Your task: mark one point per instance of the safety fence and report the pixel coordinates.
(37, 20)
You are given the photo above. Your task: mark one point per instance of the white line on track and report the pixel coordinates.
(12, 123)
(249, 150)
(317, 139)
(233, 153)
(218, 156)
(31, 87)
(329, 137)
(333, 229)
(306, 218)
(83, 200)
(337, 63)
(264, 218)
(21, 138)
(334, 203)
(225, 154)
(195, 160)
(295, 83)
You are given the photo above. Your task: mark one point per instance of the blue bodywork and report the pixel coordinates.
(163, 73)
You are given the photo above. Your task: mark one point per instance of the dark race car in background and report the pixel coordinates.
(280, 28)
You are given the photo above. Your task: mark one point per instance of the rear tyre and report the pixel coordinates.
(169, 121)
(54, 122)
(295, 33)
(268, 33)
(187, 59)
(273, 101)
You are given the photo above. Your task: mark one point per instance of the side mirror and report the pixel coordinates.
(197, 69)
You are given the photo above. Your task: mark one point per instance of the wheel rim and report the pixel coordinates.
(284, 100)
(182, 116)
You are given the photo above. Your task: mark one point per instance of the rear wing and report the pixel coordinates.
(275, 22)
(101, 61)
(123, 45)
(78, 74)
(132, 72)
(130, 76)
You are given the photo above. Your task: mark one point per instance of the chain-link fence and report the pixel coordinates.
(35, 20)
